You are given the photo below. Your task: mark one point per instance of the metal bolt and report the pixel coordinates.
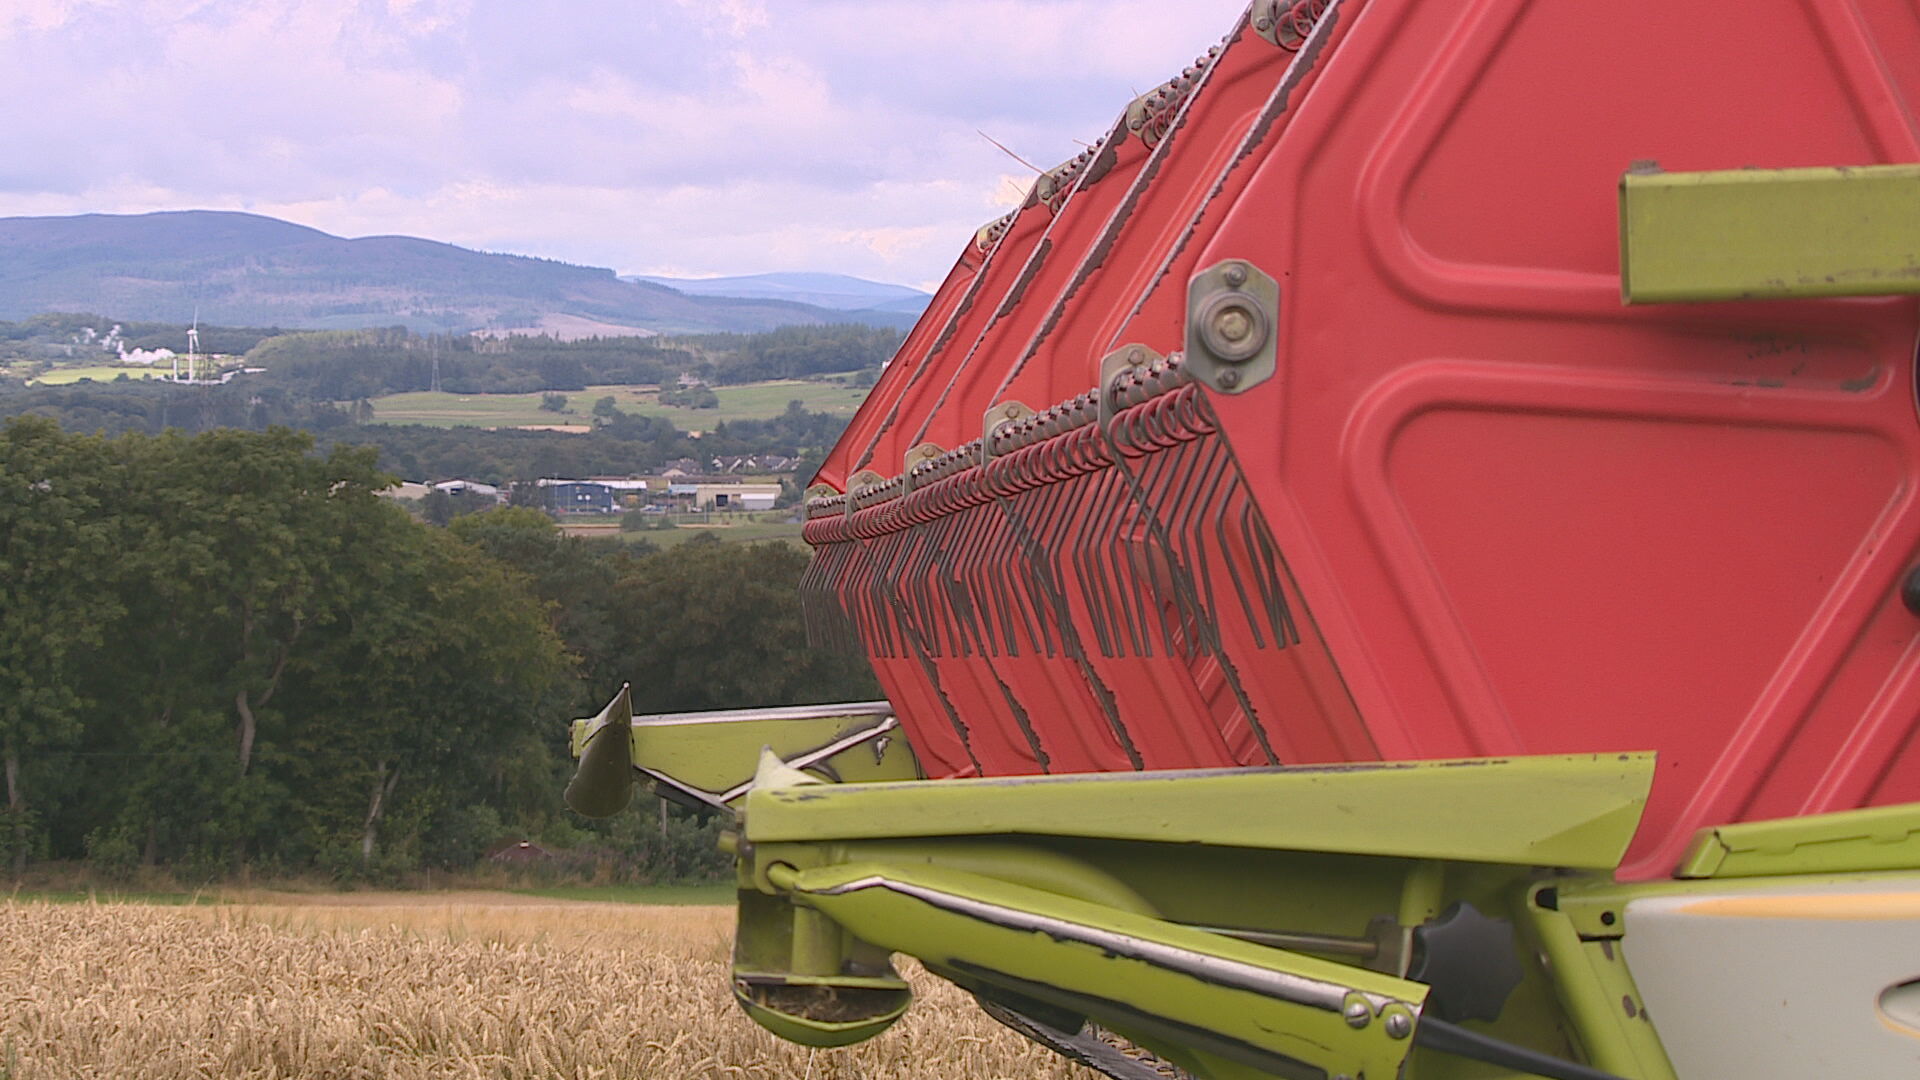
(1010, 412)
(1399, 1025)
(1235, 275)
(1233, 324)
(1228, 379)
(1358, 1014)
(1263, 24)
(1136, 356)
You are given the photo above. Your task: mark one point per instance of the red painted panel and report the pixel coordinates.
(1510, 514)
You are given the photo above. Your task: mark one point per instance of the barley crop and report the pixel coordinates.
(464, 988)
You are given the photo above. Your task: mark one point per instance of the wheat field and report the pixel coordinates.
(454, 986)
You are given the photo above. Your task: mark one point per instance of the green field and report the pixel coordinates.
(748, 401)
(60, 376)
(745, 531)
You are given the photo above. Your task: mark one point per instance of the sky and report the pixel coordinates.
(680, 137)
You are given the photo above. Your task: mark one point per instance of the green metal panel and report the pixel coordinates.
(1264, 1007)
(1573, 811)
(1878, 838)
(1591, 979)
(710, 757)
(1765, 234)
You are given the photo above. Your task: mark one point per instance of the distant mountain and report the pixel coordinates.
(837, 291)
(248, 270)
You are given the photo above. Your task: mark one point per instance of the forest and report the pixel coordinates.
(223, 651)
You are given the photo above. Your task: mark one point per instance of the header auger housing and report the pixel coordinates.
(1374, 577)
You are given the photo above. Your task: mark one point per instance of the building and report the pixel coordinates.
(723, 496)
(470, 487)
(593, 495)
(578, 497)
(406, 489)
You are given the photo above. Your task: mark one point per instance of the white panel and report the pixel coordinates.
(1783, 983)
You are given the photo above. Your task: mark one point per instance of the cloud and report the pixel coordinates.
(693, 136)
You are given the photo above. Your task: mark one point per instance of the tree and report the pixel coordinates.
(573, 578)
(551, 402)
(454, 674)
(718, 626)
(55, 541)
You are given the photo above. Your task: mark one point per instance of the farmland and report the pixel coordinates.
(429, 985)
(748, 401)
(61, 376)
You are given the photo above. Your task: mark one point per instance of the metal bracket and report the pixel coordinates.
(1006, 412)
(865, 478)
(1123, 359)
(926, 451)
(820, 491)
(1265, 18)
(1233, 317)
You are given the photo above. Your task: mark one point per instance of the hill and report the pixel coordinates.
(246, 269)
(840, 292)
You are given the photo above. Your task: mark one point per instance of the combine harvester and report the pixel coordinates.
(1401, 561)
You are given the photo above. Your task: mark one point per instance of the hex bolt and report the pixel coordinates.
(1358, 1013)
(1228, 379)
(1235, 275)
(1263, 24)
(1233, 324)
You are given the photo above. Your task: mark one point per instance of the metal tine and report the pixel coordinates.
(1234, 498)
(1189, 464)
(993, 579)
(830, 619)
(1106, 517)
(1179, 626)
(959, 593)
(1211, 502)
(935, 628)
(884, 548)
(930, 575)
(1075, 532)
(1132, 553)
(1027, 586)
(846, 573)
(1025, 507)
(1125, 573)
(875, 622)
(979, 620)
(1057, 539)
(879, 617)
(1012, 570)
(953, 584)
(1272, 582)
(893, 550)
(1184, 486)
(1005, 567)
(1042, 507)
(913, 587)
(1156, 530)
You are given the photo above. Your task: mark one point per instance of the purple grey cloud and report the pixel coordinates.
(684, 136)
